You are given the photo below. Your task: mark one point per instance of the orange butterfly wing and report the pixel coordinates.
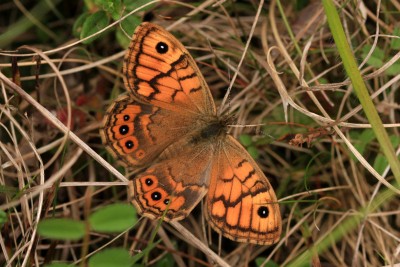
(136, 133)
(241, 203)
(174, 185)
(158, 69)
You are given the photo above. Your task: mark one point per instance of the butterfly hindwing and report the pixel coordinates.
(241, 204)
(170, 184)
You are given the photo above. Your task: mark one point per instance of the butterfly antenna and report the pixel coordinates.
(253, 27)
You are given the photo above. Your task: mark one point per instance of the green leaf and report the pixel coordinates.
(131, 5)
(363, 140)
(381, 163)
(395, 42)
(246, 140)
(113, 218)
(253, 151)
(93, 24)
(376, 58)
(78, 24)
(128, 25)
(394, 69)
(122, 39)
(114, 8)
(3, 218)
(166, 261)
(113, 257)
(61, 228)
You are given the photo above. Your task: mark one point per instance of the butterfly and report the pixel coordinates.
(168, 128)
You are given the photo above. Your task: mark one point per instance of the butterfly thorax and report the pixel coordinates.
(211, 128)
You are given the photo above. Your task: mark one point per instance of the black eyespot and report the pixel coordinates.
(148, 181)
(166, 201)
(263, 212)
(124, 129)
(129, 144)
(162, 48)
(155, 196)
(126, 117)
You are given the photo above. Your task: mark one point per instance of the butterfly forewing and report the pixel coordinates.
(136, 133)
(158, 69)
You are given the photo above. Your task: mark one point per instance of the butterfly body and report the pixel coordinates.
(213, 129)
(168, 127)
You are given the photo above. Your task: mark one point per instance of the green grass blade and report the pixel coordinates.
(354, 74)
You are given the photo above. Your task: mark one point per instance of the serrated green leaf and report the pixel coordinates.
(93, 24)
(114, 8)
(113, 218)
(112, 257)
(61, 228)
(395, 42)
